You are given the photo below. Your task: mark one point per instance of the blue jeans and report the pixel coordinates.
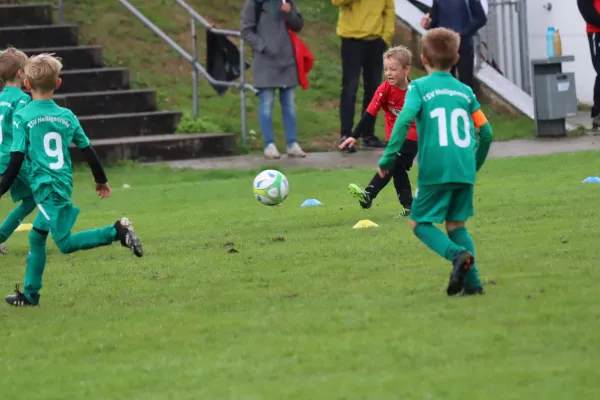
(288, 113)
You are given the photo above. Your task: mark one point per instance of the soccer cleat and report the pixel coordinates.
(3, 249)
(462, 263)
(472, 292)
(373, 142)
(127, 236)
(20, 300)
(361, 195)
(404, 213)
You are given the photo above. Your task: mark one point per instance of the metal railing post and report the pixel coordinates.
(524, 46)
(243, 92)
(61, 11)
(195, 82)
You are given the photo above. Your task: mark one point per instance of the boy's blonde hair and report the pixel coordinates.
(11, 61)
(399, 53)
(42, 72)
(440, 47)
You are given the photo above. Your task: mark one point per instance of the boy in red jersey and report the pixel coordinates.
(389, 96)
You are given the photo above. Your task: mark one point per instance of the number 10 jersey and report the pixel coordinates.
(446, 129)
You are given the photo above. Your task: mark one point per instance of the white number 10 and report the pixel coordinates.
(457, 114)
(55, 152)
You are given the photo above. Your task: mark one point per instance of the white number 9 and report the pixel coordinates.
(55, 152)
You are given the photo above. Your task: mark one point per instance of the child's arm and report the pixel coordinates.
(83, 143)
(366, 124)
(367, 121)
(485, 138)
(412, 107)
(17, 155)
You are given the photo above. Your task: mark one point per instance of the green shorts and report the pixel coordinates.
(57, 216)
(440, 203)
(20, 188)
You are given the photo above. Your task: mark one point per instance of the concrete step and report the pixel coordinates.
(157, 148)
(131, 124)
(92, 80)
(25, 14)
(73, 57)
(39, 36)
(108, 102)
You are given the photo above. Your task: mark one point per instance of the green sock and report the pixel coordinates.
(36, 262)
(15, 217)
(87, 239)
(435, 239)
(461, 237)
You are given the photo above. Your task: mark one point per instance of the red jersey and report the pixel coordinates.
(589, 27)
(391, 99)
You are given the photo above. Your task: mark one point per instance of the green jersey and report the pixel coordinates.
(44, 131)
(12, 99)
(443, 108)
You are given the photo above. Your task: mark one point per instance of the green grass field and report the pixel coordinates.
(309, 308)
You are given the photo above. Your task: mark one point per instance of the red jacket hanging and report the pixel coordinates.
(304, 59)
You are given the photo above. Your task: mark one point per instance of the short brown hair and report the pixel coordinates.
(11, 61)
(399, 53)
(440, 47)
(42, 72)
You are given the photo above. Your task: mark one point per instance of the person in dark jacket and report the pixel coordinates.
(465, 17)
(590, 11)
(264, 28)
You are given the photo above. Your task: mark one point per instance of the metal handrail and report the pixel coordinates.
(193, 59)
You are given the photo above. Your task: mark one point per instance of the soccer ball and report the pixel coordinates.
(270, 187)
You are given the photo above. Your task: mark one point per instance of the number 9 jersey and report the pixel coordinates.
(43, 131)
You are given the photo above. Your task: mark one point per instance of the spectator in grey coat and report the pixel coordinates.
(274, 66)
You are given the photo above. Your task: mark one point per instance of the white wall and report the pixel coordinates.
(565, 16)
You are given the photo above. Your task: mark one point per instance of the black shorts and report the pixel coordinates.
(407, 155)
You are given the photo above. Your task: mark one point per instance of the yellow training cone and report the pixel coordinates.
(24, 227)
(365, 223)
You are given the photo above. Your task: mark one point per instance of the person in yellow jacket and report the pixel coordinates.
(366, 28)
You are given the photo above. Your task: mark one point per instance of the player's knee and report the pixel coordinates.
(28, 205)
(413, 225)
(452, 225)
(37, 236)
(64, 246)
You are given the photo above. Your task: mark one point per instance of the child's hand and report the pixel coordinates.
(103, 190)
(381, 172)
(348, 142)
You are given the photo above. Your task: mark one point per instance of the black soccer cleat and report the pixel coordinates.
(462, 263)
(20, 300)
(405, 212)
(361, 195)
(473, 292)
(373, 142)
(127, 236)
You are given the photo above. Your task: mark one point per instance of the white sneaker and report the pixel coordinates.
(271, 152)
(295, 151)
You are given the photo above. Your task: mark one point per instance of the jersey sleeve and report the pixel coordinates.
(474, 102)
(20, 139)
(79, 137)
(23, 101)
(379, 99)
